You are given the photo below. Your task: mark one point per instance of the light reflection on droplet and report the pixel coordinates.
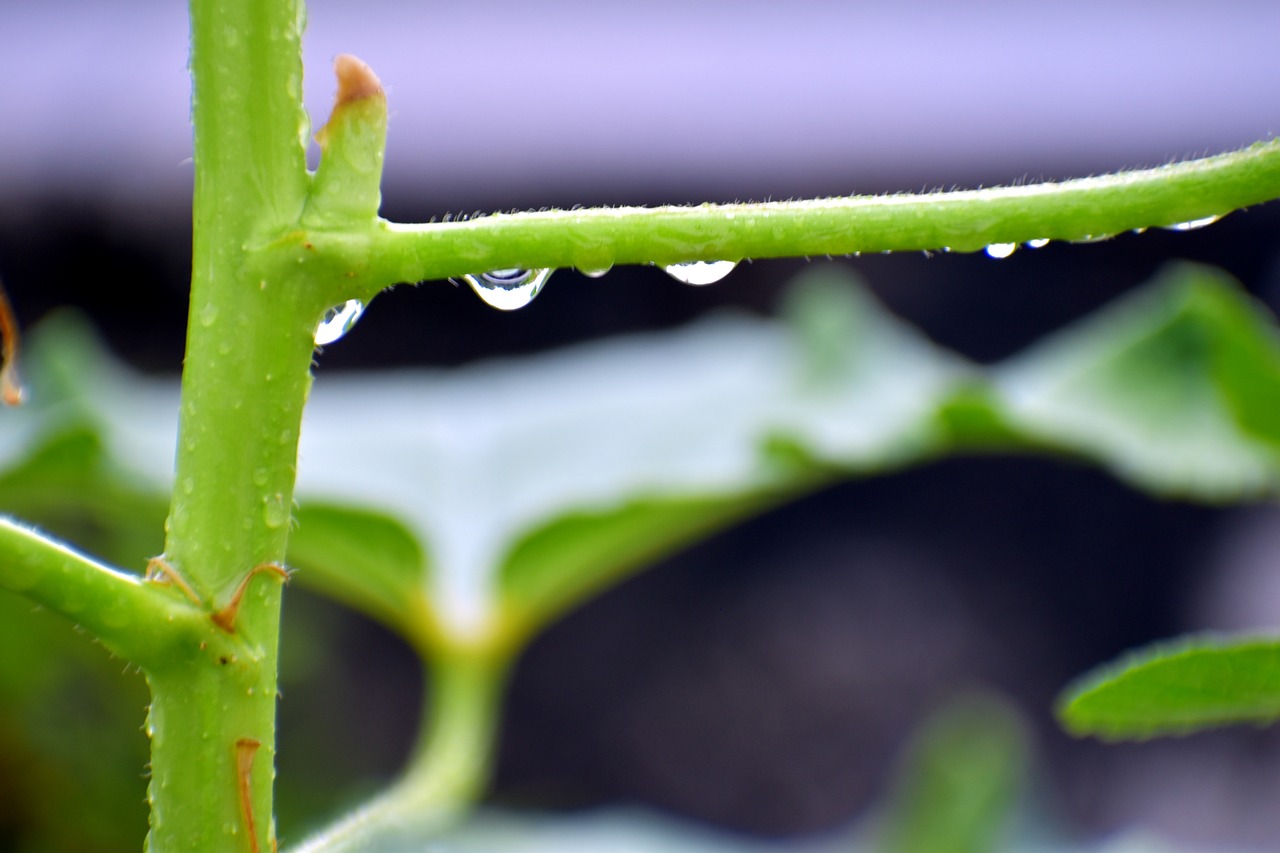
(1001, 250)
(1038, 243)
(337, 321)
(1193, 224)
(699, 273)
(508, 289)
(594, 272)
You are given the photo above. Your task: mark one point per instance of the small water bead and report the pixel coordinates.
(1193, 224)
(1038, 243)
(594, 273)
(699, 273)
(337, 321)
(508, 289)
(1001, 250)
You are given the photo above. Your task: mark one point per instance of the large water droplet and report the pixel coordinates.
(700, 272)
(1038, 243)
(508, 289)
(337, 321)
(1001, 250)
(596, 272)
(1193, 224)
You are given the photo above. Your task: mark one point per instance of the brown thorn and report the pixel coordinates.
(356, 80)
(246, 748)
(226, 617)
(11, 393)
(159, 571)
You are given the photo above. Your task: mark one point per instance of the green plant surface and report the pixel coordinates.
(1176, 688)
(1082, 210)
(1144, 387)
(959, 781)
(275, 247)
(543, 477)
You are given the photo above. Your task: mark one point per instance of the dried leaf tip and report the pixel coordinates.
(356, 80)
(10, 387)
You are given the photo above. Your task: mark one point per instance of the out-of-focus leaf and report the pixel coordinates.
(1151, 387)
(1176, 688)
(383, 568)
(957, 784)
(557, 565)
(534, 483)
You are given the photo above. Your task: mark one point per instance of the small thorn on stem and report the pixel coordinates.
(356, 80)
(246, 749)
(226, 617)
(159, 571)
(11, 392)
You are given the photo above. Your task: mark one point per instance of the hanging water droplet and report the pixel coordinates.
(1193, 224)
(699, 273)
(596, 272)
(1001, 250)
(508, 289)
(1038, 243)
(337, 321)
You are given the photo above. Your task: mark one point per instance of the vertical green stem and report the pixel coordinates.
(245, 380)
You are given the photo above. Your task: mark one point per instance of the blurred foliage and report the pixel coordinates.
(484, 502)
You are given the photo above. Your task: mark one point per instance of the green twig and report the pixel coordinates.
(594, 239)
(132, 618)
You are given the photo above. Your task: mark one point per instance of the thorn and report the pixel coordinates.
(159, 571)
(11, 392)
(246, 749)
(356, 80)
(226, 617)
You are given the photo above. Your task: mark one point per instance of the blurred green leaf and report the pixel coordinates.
(537, 482)
(1151, 387)
(366, 559)
(1177, 688)
(957, 784)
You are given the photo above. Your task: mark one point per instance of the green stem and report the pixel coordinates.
(1082, 209)
(245, 379)
(449, 765)
(133, 619)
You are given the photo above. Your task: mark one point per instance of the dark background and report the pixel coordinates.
(764, 680)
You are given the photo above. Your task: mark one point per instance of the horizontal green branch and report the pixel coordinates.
(134, 619)
(595, 239)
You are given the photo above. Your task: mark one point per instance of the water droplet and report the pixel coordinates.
(188, 486)
(699, 273)
(1092, 238)
(260, 477)
(508, 289)
(208, 314)
(1001, 250)
(595, 273)
(276, 512)
(337, 321)
(1038, 243)
(1193, 224)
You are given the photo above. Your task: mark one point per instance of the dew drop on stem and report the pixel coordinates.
(508, 289)
(1038, 243)
(1193, 224)
(337, 321)
(1001, 250)
(594, 272)
(699, 273)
